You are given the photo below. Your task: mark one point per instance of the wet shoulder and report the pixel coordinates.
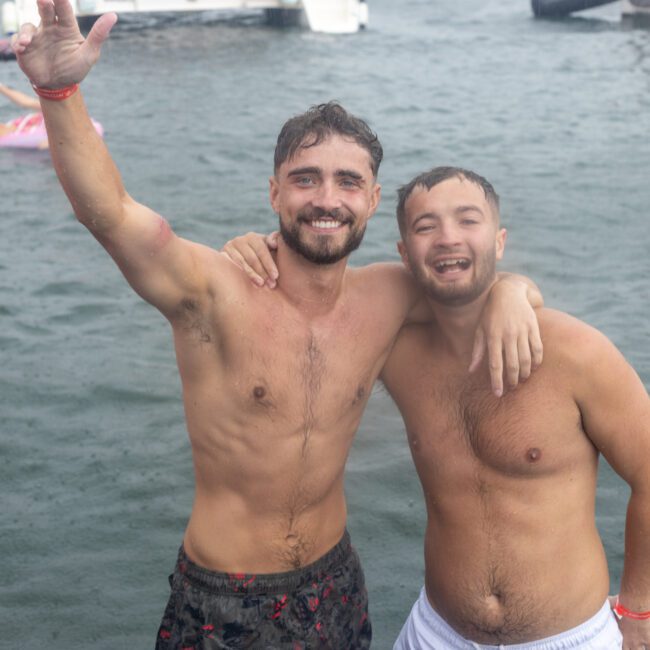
(568, 341)
(385, 281)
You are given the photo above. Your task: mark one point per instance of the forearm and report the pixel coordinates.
(533, 293)
(635, 584)
(85, 169)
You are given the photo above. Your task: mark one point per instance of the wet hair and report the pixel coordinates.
(436, 176)
(320, 122)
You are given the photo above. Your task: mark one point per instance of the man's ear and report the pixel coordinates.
(274, 191)
(502, 235)
(401, 249)
(375, 198)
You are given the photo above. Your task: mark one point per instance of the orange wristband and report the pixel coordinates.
(57, 94)
(621, 611)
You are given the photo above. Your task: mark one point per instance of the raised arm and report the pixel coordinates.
(161, 267)
(20, 99)
(615, 411)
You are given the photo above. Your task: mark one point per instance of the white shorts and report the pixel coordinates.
(425, 629)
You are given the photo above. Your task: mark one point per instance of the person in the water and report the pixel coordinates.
(35, 118)
(513, 557)
(274, 382)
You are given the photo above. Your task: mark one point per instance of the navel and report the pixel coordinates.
(533, 455)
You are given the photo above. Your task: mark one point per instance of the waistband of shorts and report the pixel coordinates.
(574, 637)
(249, 583)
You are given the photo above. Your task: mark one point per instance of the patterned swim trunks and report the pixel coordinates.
(323, 605)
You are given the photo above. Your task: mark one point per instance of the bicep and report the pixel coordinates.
(615, 412)
(160, 266)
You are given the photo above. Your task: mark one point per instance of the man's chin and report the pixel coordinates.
(321, 253)
(451, 294)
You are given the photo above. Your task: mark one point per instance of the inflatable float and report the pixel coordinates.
(30, 133)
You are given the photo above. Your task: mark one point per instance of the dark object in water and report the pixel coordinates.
(553, 8)
(6, 53)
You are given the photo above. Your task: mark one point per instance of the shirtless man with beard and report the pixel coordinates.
(274, 382)
(512, 553)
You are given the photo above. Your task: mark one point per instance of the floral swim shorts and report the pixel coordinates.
(323, 605)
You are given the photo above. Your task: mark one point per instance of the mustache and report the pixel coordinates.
(313, 214)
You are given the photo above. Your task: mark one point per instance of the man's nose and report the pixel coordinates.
(448, 235)
(327, 197)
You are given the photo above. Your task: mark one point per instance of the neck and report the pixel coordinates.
(456, 325)
(312, 287)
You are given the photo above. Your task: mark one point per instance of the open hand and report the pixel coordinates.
(510, 332)
(55, 54)
(252, 253)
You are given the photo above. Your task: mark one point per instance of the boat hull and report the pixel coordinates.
(555, 8)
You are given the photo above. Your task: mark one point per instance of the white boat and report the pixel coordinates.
(558, 8)
(329, 16)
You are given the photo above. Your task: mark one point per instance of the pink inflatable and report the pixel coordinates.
(30, 133)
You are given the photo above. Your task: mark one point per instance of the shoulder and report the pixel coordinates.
(567, 332)
(387, 286)
(386, 277)
(577, 347)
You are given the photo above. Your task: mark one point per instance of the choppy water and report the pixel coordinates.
(96, 479)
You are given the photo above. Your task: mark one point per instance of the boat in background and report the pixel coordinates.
(559, 8)
(329, 16)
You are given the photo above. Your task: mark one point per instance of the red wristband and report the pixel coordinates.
(57, 94)
(621, 611)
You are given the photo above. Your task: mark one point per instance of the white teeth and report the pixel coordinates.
(326, 224)
(462, 263)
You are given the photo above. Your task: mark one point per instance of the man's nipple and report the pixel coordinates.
(533, 455)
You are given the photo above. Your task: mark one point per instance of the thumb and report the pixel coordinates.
(99, 33)
(478, 351)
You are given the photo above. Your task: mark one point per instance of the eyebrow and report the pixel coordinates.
(426, 215)
(468, 208)
(461, 209)
(301, 171)
(317, 171)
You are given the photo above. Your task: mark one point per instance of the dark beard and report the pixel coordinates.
(321, 252)
(453, 296)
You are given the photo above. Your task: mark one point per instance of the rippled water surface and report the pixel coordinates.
(96, 481)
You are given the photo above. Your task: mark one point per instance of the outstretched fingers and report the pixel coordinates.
(22, 38)
(63, 12)
(100, 31)
(47, 12)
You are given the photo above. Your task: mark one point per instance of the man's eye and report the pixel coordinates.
(349, 182)
(304, 180)
(469, 222)
(426, 228)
